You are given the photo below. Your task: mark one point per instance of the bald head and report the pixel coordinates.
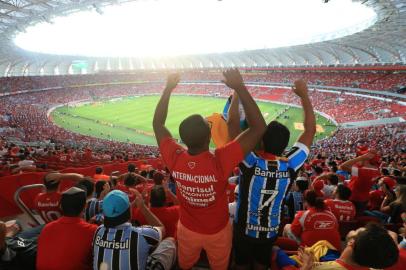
(195, 132)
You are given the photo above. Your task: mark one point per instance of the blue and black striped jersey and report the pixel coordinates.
(124, 247)
(263, 186)
(94, 207)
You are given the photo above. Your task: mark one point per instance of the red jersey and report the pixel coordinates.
(312, 226)
(48, 205)
(342, 210)
(201, 183)
(99, 177)
(64, 158)
(361, 182)
(376, 198)
(66, 244)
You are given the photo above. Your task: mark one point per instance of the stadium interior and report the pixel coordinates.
(70, 120)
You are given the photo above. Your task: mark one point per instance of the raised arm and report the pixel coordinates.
(149, 216)
(170, 193)
(233, 121)
(256, 123)
(161, 110)
(347, 166)
(309, 122)
(57, 177)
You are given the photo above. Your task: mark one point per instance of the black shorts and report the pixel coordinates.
(247, 250)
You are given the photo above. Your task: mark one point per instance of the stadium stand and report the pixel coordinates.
(72, 201)
(26, 121)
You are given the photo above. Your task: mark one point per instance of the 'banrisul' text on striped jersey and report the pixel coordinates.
(263, 186)
(123, 247)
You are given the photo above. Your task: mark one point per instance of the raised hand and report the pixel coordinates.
(233, 79)
(172, 81)
(139, 201)
(300, 88)
(105, 191)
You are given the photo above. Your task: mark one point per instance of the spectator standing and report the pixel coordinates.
(201, 177)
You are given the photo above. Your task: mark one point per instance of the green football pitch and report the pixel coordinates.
(130, 119)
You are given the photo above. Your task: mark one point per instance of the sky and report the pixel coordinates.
(161, 28)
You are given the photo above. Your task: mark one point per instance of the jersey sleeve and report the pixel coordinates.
(249, 160)
(297, 156)
(296, 227)
(170, 150)
(228, 156)
(151, 234)
(354, 170)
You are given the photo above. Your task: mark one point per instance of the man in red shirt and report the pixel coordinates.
(363, 170)
(340, 206)
(168, 215)
(367, 248)
(66, 244)
(99, 175)
(315, 224)
(131, 182)
(201, 176)
(48, 204)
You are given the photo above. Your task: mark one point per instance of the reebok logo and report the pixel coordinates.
(323, 225)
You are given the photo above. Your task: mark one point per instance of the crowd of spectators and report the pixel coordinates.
(135, 219)
(383, 80)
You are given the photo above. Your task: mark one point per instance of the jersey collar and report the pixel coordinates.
(267, 156)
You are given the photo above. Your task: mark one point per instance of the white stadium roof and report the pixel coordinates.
(382, 43)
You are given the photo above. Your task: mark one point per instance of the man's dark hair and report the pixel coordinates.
(194, 131)
(385, 171)
(343, 192)
(375, 248)
(111, 222)
(87, 185)
(318, 170)
(99, 187)
(333, 179)
(131, 168)
(144, 174)
(99, 170)
(158, 196)
(158, 178)
(130, 180)
(313, 200)
(397, 172)
(73, 202)
(276, 138)
(302, 185)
